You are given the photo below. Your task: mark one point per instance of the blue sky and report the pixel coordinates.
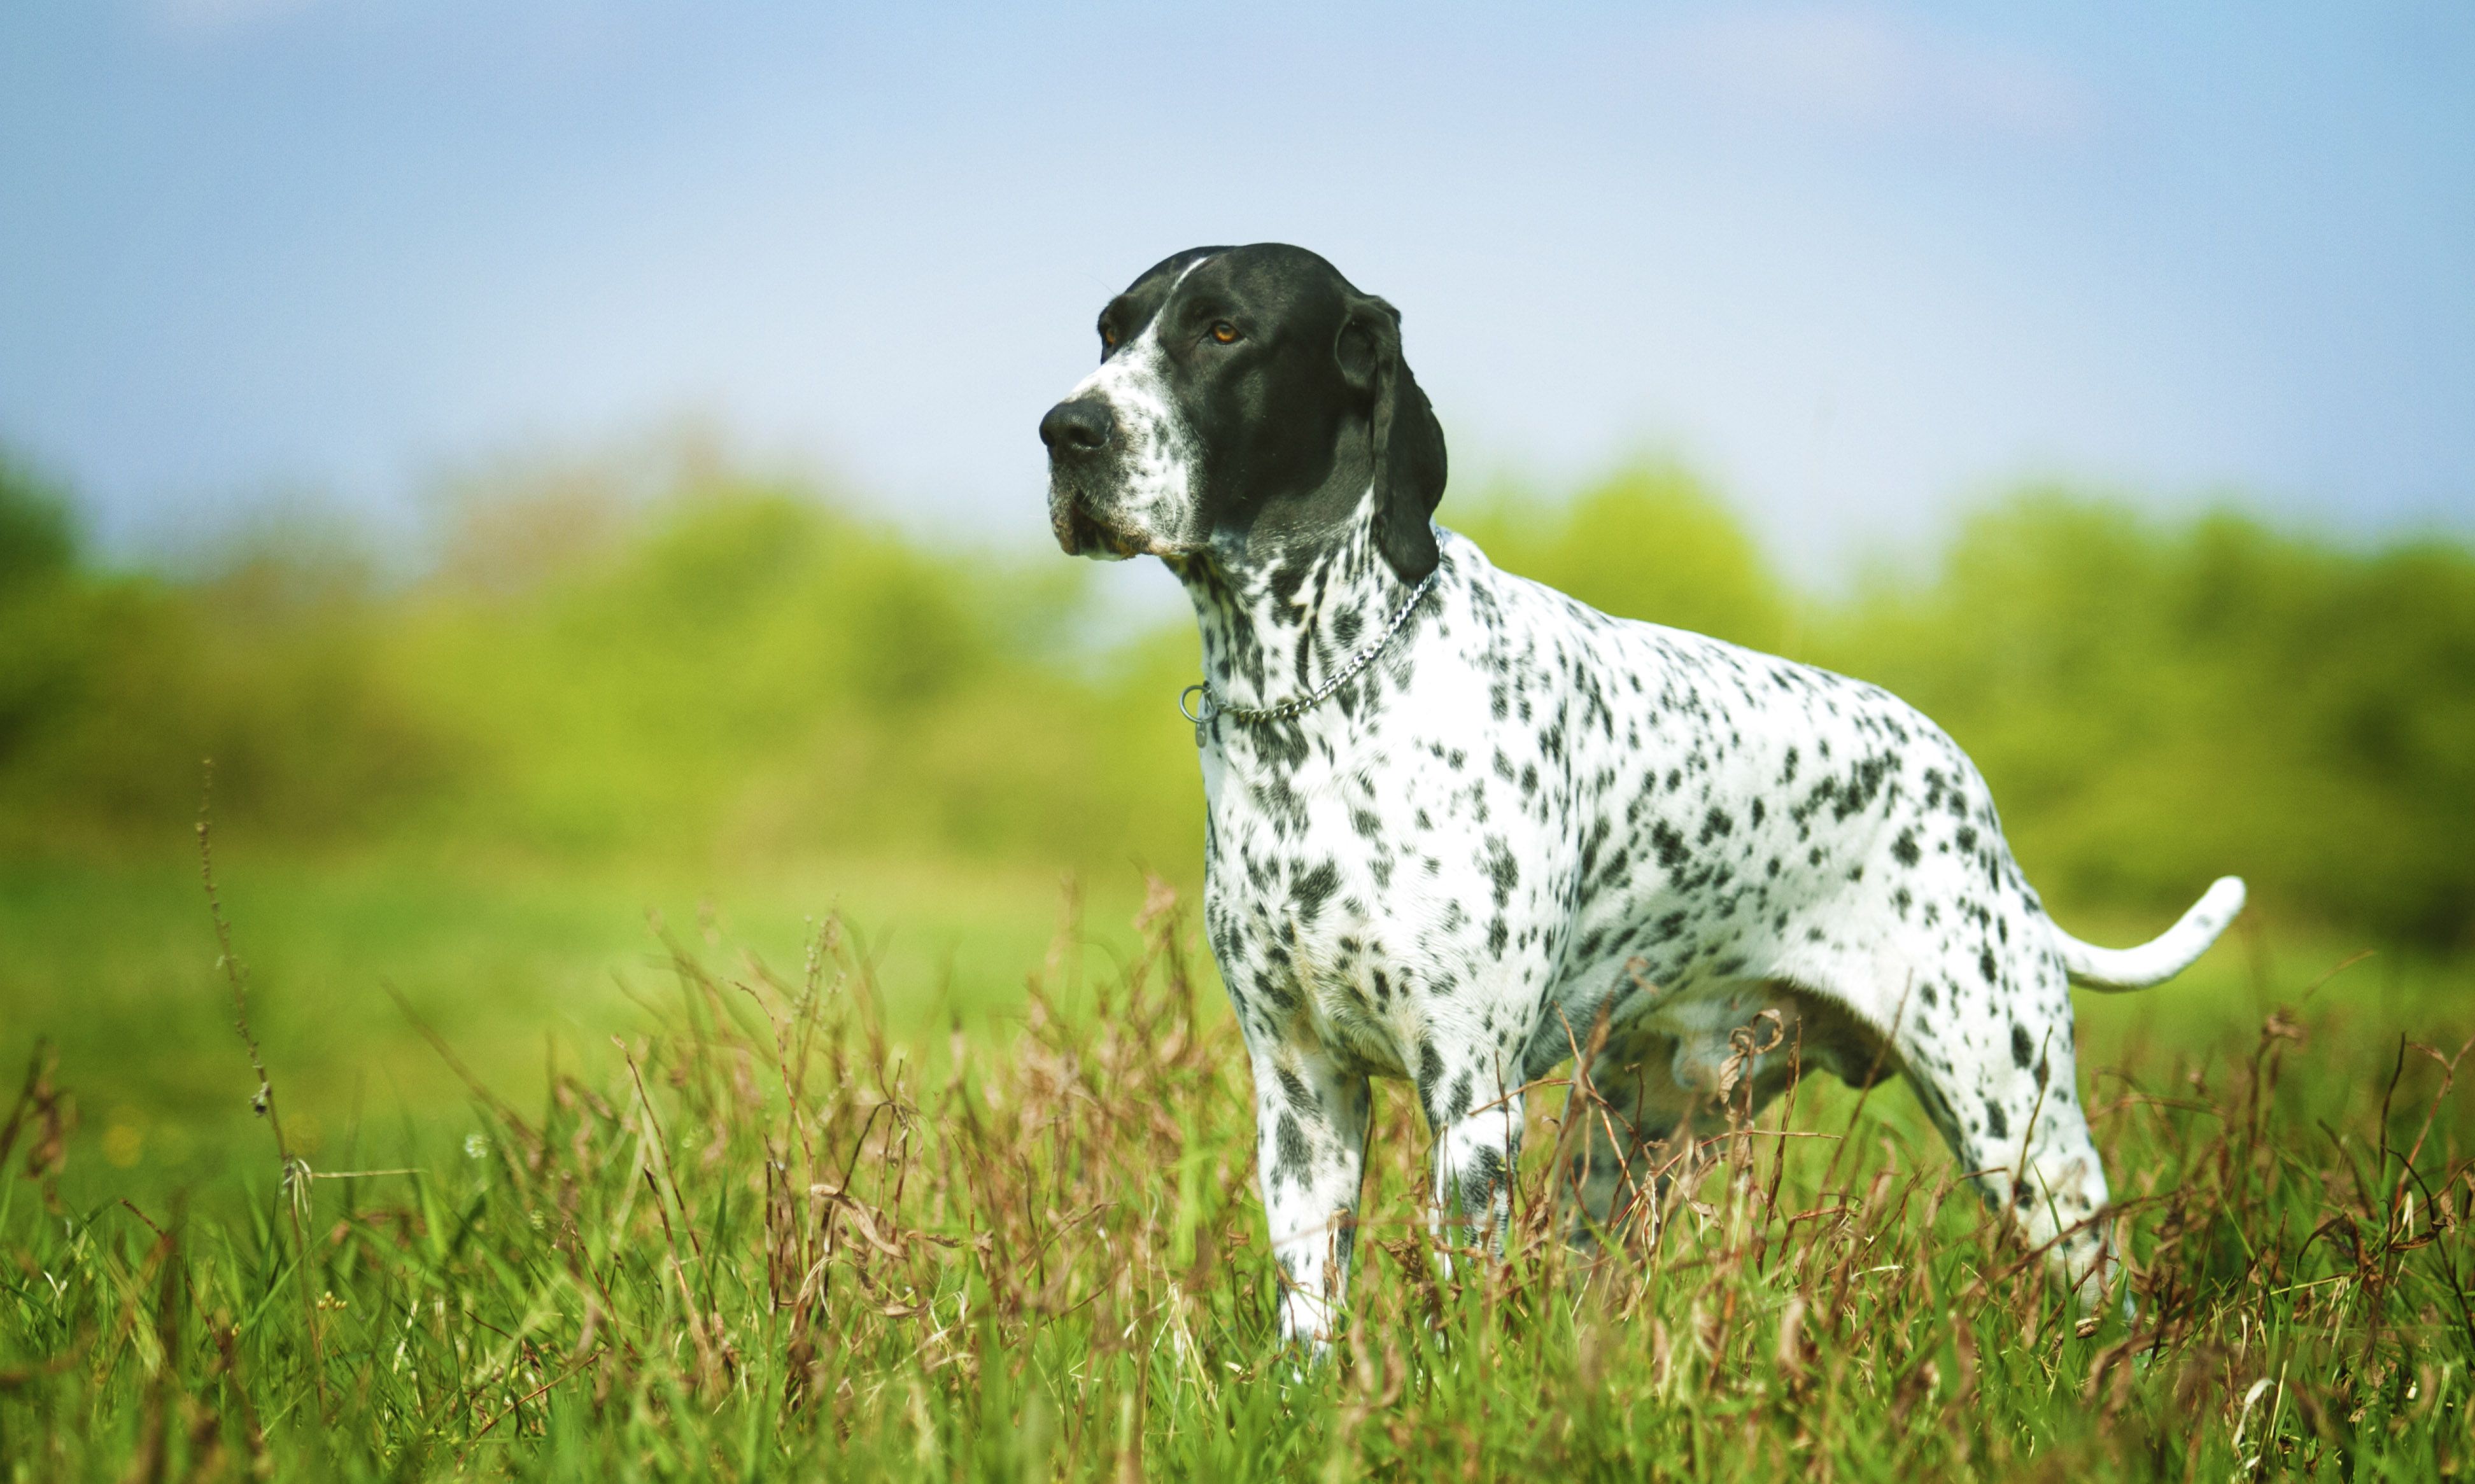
(1858, 263)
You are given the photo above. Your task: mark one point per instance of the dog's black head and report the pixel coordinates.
(1250, 402)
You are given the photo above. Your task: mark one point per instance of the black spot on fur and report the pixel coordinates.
(1312, 890)
(1502, 869)
(1479, 1181)
(1290, 1146)
(1672, 851)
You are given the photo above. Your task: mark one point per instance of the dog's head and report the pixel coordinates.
(1248, 402)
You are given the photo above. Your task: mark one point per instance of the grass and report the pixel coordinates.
(114, 966)
(807, 1218)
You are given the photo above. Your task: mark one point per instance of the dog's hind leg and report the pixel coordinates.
(1474, 1111)
(1734, 1051)
(1311, 1120)
(2059, 1200)
(1627, 1108)
(2005, 1102)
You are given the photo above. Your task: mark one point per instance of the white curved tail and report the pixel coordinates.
(2117, 970)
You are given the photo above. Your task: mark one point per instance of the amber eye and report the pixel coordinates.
(1224, 332)
(1109, 339)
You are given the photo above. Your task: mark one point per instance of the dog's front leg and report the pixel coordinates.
(1475, 1114)
(1310, 1136)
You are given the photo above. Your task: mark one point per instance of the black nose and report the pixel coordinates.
(1079, 427)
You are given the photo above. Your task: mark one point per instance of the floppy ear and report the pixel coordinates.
(1408, 443)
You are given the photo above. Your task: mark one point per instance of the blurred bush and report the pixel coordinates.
(754, 670)
(722, 668)
(1651, 542)
(114, 686)
(2157, 704)
(704, 665)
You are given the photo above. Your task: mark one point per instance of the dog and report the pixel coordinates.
(1460, 825)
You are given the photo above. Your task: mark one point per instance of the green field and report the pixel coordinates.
(115, 969)
(718, 1025)
(1005, 1226)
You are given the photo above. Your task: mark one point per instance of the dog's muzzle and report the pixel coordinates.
(1079, 533)
(1083, 441)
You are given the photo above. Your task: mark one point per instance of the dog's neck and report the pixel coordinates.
(1275, 629)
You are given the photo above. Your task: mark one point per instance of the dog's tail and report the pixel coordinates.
(2117, 970)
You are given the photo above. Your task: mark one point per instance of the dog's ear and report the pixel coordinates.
(1408, 443)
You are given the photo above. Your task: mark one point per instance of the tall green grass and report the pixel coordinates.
(764, 1241)
(114, 967)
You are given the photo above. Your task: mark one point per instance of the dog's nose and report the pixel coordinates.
(1081, 426)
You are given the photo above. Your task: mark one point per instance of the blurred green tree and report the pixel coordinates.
(610, 665)
(2156, 705)
(38, 538)
(1649, 542)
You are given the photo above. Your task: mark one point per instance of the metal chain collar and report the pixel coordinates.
(1213, 707)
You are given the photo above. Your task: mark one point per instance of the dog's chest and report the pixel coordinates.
(1366, 900)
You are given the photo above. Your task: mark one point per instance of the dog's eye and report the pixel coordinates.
(1223, 332)
(1107, 339)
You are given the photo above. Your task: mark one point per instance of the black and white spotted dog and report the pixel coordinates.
(1456, 815)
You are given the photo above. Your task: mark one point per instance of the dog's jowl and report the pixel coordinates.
(1455, 817)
